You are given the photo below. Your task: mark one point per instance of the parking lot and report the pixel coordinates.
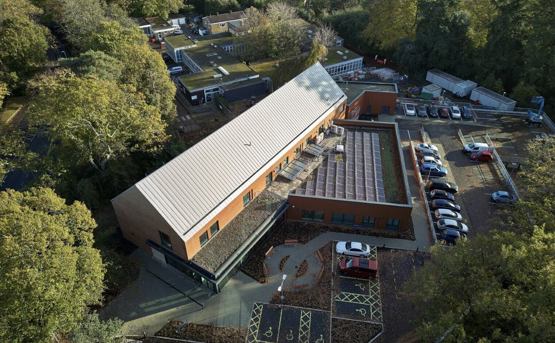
(476, 180)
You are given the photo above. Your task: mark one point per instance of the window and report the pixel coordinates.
(392, 224)
(204, 238)
(214, 228)
(317, 216)
(343, 218)
(286, 160)
(165, 240)
(246, 199)
(269, 179)
(368, 221)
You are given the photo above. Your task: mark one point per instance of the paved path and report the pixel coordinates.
(297, 254)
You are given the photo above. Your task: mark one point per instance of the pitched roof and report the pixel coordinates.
(196, 185)
(220, 18)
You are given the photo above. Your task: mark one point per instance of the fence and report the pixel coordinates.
(502, 169)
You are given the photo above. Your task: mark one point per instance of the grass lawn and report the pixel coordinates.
(391, 169)
(10, 109)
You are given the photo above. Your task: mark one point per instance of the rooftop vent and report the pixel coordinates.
(344, 57)
(212, 54)
(217, 76)
(339, 53)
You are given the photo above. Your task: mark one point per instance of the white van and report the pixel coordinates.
(475, 147)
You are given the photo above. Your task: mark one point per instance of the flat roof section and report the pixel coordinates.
(218, 249)
(365, 171)
(221, 18)
(353, 89)
(179, 41)
(339, 54)
(494, 95)
(209, 55)
(445, 75)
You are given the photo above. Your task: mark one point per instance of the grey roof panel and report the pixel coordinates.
(190, 189)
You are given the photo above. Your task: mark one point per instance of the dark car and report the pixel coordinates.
(441, 194)
(358, 267)
(450, 236)
(421, 111)
(442, 203)
(432, 111)
(443, 185)
(432, 170)
(467, 113)
(443, 112)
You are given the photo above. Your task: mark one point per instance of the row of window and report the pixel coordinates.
(348, 219)
(344, 68)
(213, 230)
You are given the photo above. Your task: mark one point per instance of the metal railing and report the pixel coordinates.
(501, 167)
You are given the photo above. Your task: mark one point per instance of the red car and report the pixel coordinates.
(358, 267)
(482, 156)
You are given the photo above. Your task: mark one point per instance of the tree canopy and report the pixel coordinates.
(49, 269)
(94, 120)
(23, 42)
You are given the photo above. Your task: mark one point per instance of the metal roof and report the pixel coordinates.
(493, 95)
(192, 188)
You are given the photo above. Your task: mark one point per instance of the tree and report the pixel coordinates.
(94, 120)
(95, 63)
(154, 8)
(110, 36)
(79, 20)
(49, 269)
(23, 42)
(317, 53)
(325, 35)
(145, 70)
(4, 92)
(281, 11)
(493, 288)
(390, 21)
(350, 24)
(93, 329)
(13, 153)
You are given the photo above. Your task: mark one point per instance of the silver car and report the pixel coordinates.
(352, 249)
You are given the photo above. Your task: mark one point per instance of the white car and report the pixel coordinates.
(410, 110)
(444, 224)
(475, 147)
(352, 249)
(431, 160)
(455, 112)
(426, 146)
(444, 213)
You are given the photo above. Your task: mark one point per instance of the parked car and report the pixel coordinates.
(467, 112)
(441, 194)
(444, 224)
(432, 170)
(443, 213)
(426, 146)
(502, 197)
(421, 111)
(175, 70)
(178, 32)
(442, 184)
(455, 112)
(442, 203)
(450, 236)
(421, 154)
(358, 267)
(410, 110)
(431, 159)
(482, 156)
(432, 111)
(352, 248)
(475, 147)
(443, 112)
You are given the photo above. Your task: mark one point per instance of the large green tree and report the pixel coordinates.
(390, 21)
(160, 8)
(94, 120)
(23, 42)
(49, 270)
(93, 329)
(493, 288)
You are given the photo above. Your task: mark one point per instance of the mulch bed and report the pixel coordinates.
(303, 268)
(399, 315)
(282, 262)
(200, 333)
(317, 297)
(349, 331)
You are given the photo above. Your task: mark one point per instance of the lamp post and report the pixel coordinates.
(280, 289)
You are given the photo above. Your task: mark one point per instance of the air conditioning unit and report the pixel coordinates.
(217, 76)
(333, 128)
(340, 131)
(340, 148)
(319, 138)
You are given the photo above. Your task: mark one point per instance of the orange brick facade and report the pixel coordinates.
(372, 103)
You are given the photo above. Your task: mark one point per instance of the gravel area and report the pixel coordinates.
(230, 238)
